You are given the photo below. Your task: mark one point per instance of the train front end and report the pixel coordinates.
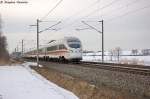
(74, 47)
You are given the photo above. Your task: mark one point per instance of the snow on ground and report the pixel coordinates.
(143, 60)
(27, 64)
(20, 82)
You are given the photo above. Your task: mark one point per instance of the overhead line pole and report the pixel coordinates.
(37, 42)
(37, 31)
(22, 48)
(37, 26)
(102, 40)
(17, 48)
(101, 32)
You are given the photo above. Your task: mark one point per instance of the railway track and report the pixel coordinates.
(134, 69)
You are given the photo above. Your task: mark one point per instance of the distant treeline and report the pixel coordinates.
(3, 45)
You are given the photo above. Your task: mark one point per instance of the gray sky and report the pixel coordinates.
(126, 22)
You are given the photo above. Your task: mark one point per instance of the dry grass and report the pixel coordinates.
(79, 87)
(9, 62)
(4, 62)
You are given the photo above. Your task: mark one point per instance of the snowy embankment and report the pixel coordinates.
(21, 82)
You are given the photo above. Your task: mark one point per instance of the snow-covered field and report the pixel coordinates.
(21, 82)
(143, 60)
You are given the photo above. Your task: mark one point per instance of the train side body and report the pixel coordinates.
(68, 48)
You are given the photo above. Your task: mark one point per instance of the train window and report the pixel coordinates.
(75, 45)
(52, 48)
(49, 49)
(73, 40)
(62, 46)
(40, 50)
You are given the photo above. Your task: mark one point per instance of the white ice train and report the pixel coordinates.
(65, 49)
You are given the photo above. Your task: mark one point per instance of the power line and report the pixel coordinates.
(109, 4)
(129, 12)
(79, 12)
(50, 27)
(51, 10)
(119, 8)
(86, 8)
(106, 6)
(96, 2)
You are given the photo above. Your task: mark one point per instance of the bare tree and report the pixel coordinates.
(134, 51)
(111, 54)
(117, 52)
(3, 44)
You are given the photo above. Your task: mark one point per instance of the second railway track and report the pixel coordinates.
(135, 69)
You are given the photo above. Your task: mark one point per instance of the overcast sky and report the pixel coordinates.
(126, 22)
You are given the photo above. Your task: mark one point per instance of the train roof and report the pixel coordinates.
(65, 38)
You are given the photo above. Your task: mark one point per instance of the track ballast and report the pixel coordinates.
(134, 69)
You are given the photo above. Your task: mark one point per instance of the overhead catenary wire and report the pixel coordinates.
(125, 14)
(51, 10)
(50, 27)
(129, 12)
(96, 2)
(41, 20)
(107, 5)
(103, 7)
(81, 11)
(121, 7)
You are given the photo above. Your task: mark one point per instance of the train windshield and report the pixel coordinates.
(74, 45)
(73, 40)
